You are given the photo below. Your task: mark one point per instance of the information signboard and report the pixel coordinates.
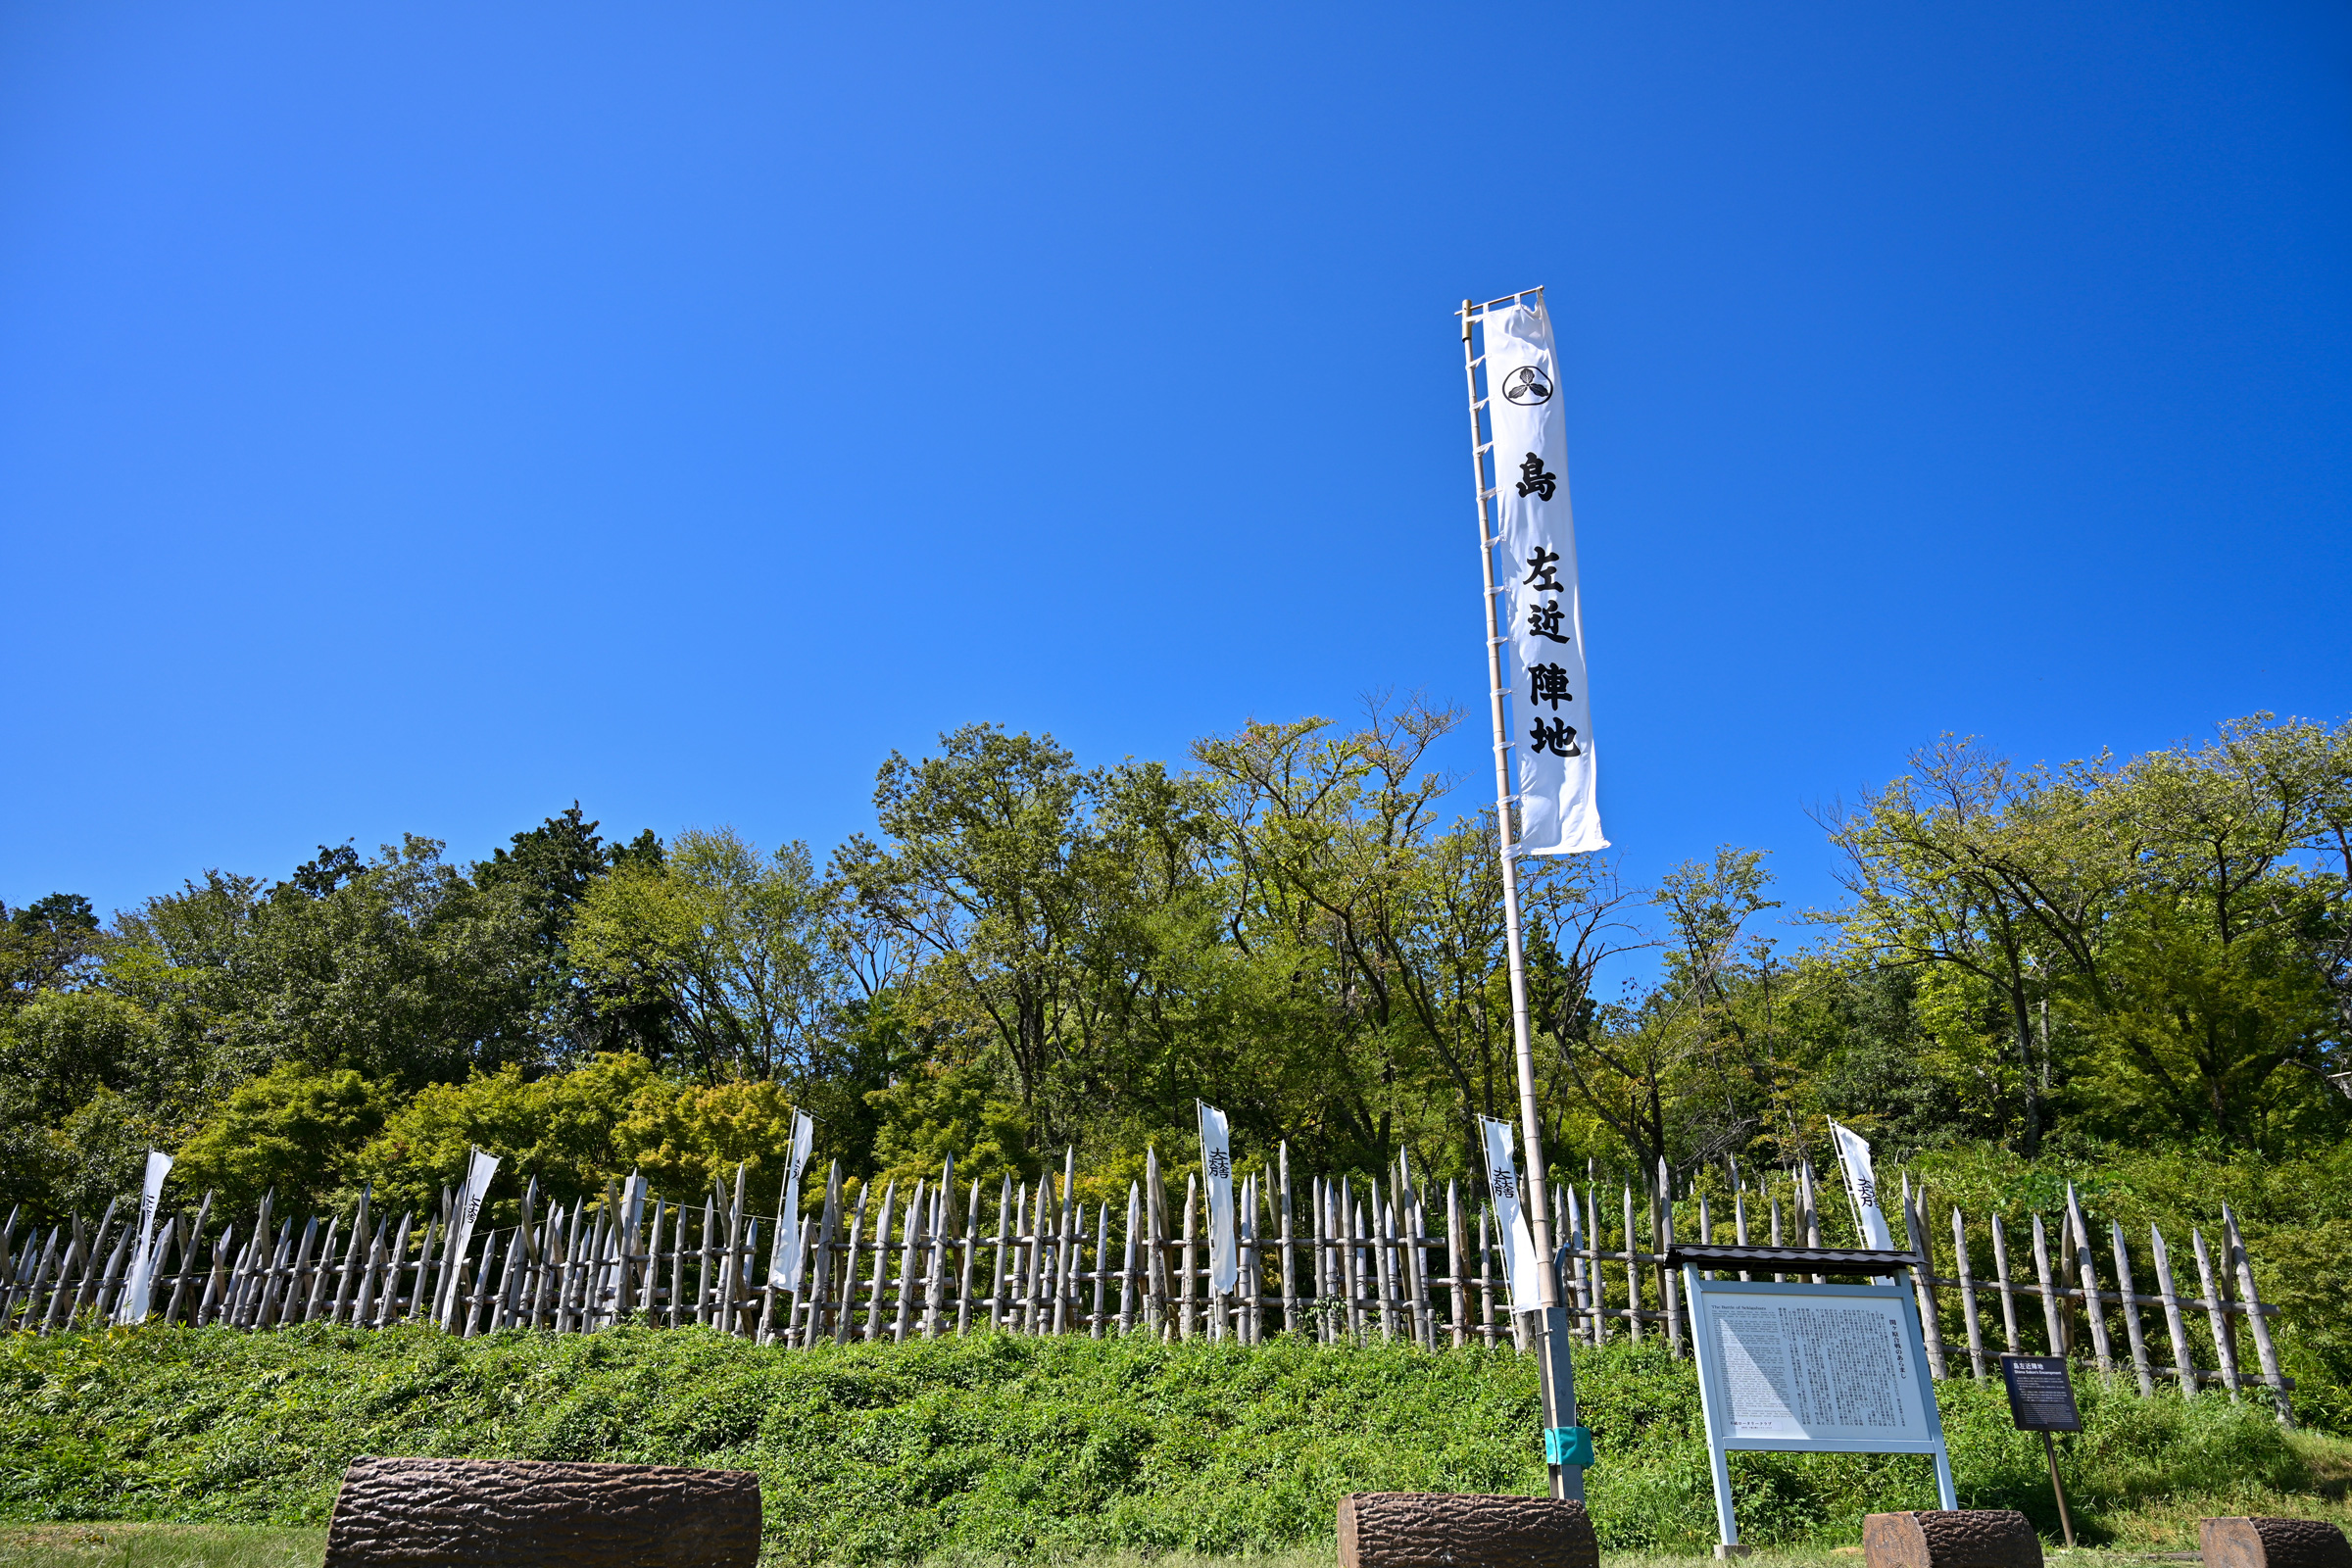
(1812, 1368)
(2041, 1395)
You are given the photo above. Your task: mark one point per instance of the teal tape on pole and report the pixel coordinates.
(1568, 1446)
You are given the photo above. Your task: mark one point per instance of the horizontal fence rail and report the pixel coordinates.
(1335, 1258)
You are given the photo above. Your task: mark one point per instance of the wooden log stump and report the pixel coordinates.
(1450, 1530)
(517, 1513)
(1950, 1537)
(2234, 1542)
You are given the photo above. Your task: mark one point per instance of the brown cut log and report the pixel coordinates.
(2233, 1542)
(1449, 1530)
(514, 1513)
(1950, 1537)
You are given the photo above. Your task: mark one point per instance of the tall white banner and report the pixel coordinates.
(479, 1168)
(1862, 1187)
(784, 1261)
(139, 1283)
(1558, 813)
(1217, 1170)
(1519, 1262)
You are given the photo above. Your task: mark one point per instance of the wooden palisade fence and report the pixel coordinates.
(1343, 1258)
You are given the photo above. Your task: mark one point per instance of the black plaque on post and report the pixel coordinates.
(2041, 1396)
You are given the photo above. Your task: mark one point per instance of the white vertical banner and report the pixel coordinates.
(1862, 1187)
(1558, 814)
(1216, 1170)
(138, 1284)
(784, 1259)
(1519, 1261)
(479, 1168)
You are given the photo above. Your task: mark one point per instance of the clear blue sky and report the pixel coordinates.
(413, 417)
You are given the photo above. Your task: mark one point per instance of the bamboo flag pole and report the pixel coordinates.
(1558, 1377)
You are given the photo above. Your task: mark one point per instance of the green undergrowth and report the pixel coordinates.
(1006, 1449)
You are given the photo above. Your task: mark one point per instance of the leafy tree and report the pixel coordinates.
(46, 945)
(936, 1111)
(734, 947)
(558, 1129)
(298, 1128)
(552, 867)
(983, 884)
(400, 969)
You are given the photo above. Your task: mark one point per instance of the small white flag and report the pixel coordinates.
(1558, 813)
(1853, 1154)
(1217, 1167)
(479, 1168)
(784, 1261)
(1519, 1261)
(139, 1286)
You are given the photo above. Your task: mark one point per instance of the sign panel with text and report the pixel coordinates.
(1811, 1368)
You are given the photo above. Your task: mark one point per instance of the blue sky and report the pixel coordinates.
(413, 417)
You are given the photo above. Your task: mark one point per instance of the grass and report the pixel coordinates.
(158, 1545)
(1002, 1450)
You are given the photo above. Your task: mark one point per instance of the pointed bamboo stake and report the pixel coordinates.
(843, 1322)
(2054, 1319)
(25, 1290)
(2264, 1349)
(2132, 1324)
(935, 1271)
(398, 1257)
(679, 1315)
(1028, 1253)
(93, 1268)
(1922, 1276)
(1100, 1322)
(910, 1241)
(348, 1282)
(2176, 1330)
(1662, 1242)
(217, 1287)
(873, 1301)
(1289, 1280)
(2217, 1313)
(2000, 1270)
(521, 1253)
(1486, 1284)
(964, 1265)
(821, 1290)
(1633, 1273)
(2087, 1267)
(1968, 1297)
(1155, 1260)
(315, 1294)
(1127, 1280)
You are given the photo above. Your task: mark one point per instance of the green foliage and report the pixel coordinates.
(1012, 1449)
(936, 1111)
(730, 946)
(558, 1129)
(297, 1128)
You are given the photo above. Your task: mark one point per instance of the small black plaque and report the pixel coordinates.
(2041, 1396)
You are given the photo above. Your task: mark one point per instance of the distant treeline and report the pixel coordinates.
(1027, 955)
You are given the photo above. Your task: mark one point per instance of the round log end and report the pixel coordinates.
(2264, 1543)
(1950, 1537)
